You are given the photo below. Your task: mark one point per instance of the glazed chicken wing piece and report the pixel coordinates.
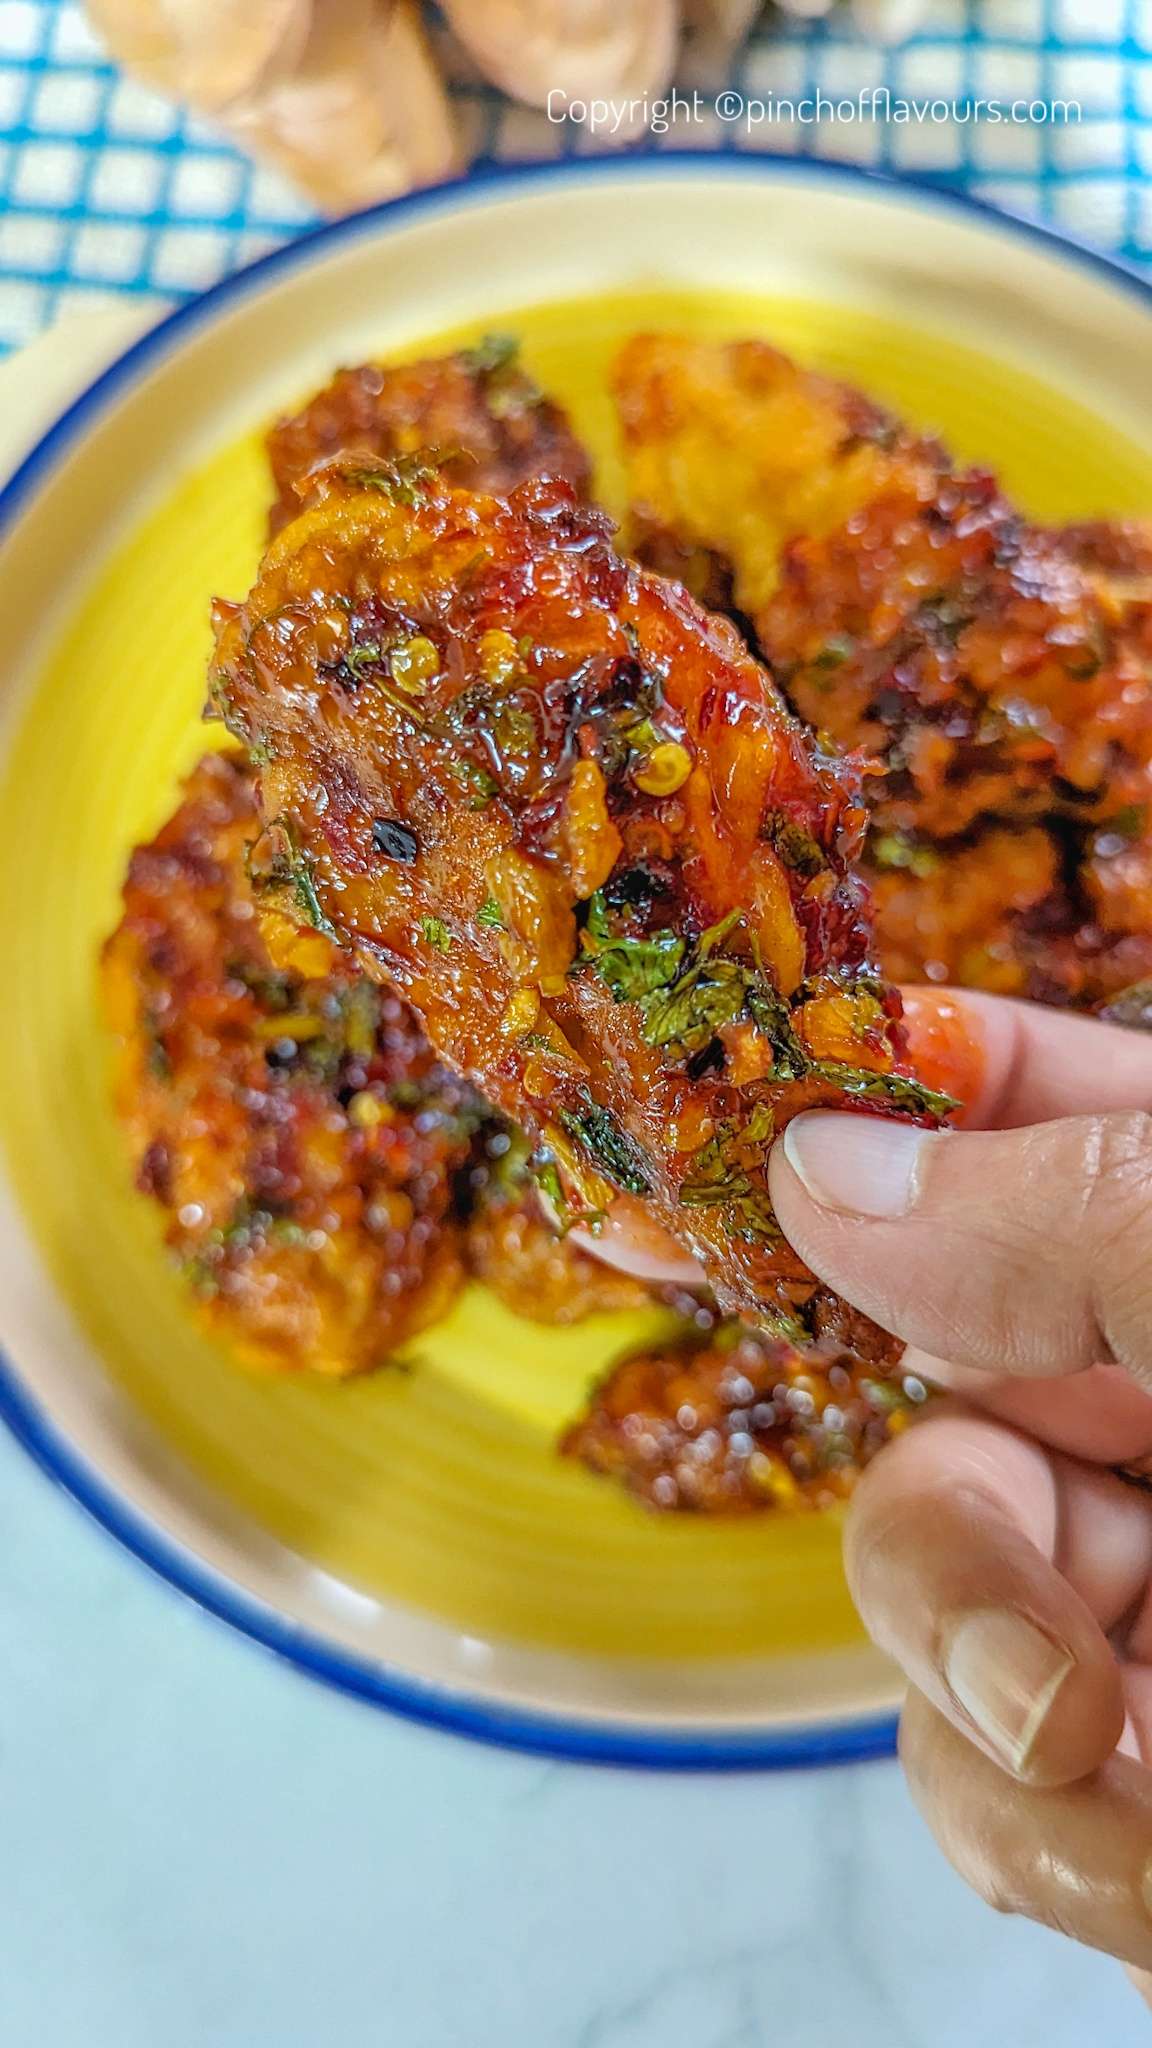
(566, 814)
(999, 674)
(736, 1422)
(292, 1121)
(493, 424)
(496, 429)
(903, 602)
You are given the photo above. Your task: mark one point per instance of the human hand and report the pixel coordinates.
(992, 1551)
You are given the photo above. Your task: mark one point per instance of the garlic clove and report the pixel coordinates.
(208, 52)
(364, 117)
(584, 48)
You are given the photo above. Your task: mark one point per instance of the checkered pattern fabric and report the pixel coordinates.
(104, 186)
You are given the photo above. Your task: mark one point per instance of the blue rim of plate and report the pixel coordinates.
(849, 1740)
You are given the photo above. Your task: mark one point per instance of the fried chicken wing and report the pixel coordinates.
(999, 674)
(904, 604)
(491, 420)
(736, 1423)
(295, 1127)
(1119, 550)
(567, 815)
(481, 404)
(978, 915)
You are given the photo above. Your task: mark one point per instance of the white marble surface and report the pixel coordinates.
(201, 1849)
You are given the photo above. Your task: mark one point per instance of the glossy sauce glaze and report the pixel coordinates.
(627, 907)
(997, 671)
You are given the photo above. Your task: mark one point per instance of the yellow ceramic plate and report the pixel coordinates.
(413, 1537)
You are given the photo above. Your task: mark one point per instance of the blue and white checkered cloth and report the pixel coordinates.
(104, 186)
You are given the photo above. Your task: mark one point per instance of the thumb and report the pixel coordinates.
(1024, 1251)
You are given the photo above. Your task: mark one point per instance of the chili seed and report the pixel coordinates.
(665, 770)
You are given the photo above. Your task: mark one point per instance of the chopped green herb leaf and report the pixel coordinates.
(400, 478)
(483, 785)
(760, 1128)
(492, 352)
(547, 1176)
(306, 897)
(598, 921)
(514, 730)
(685, 999)
(489, 913)
(715, 934)
(360, 658)
(632, 967)
(607, 1145)
(771, 1015)
(436, 933)
(274, 861)
(690, 1012)
(726, 1172)
(635, 968)
(898, 1089)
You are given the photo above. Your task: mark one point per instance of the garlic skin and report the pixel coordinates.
(345, 98)
(341, 95)
(584, 48)
(364, 117)
(206, 51)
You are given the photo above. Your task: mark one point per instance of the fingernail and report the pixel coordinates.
(1005, 1673)
(858, 1163)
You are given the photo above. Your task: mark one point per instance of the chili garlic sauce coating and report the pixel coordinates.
(488, 417)
(565, 812)
(736, 1422)
(998, 673)
(293, 1123)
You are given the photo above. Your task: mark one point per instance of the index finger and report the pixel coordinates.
(1025, 1064)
